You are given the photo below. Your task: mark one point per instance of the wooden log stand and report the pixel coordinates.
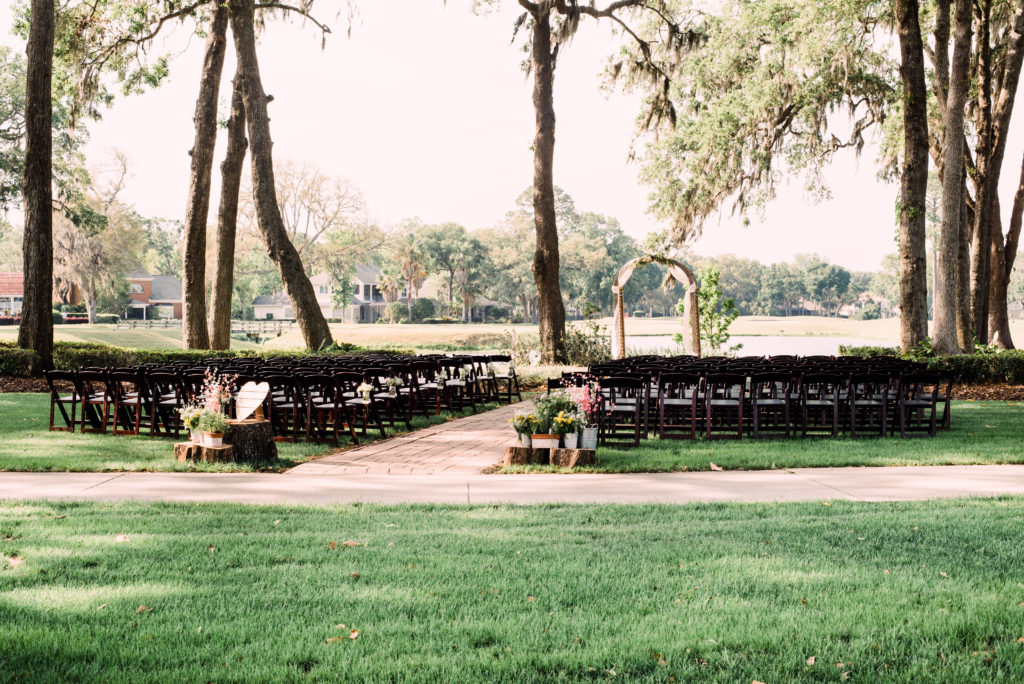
(525, 456)
(572, 458)
(245, 441)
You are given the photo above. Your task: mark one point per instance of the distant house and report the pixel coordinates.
(154, 296)
(11, 292)
(365, 306)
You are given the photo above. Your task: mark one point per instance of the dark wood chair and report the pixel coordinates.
(725, 397)
(505, 377)
(868, 401)
(287, 407)
(771, 401)
(820, 398)
(917, 404)
(679, 394)
(621, 417)
(60, 383)
(167, 396)
(95, 400)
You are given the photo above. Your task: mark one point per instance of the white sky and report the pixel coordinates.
(426, 109)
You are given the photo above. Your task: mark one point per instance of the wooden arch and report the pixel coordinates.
(677, 272)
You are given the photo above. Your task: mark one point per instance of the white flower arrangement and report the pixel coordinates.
(365, 389)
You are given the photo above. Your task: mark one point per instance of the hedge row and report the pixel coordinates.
(1004, 366)
(75, 355)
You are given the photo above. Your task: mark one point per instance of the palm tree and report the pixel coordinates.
(389, 283)
(409, 255)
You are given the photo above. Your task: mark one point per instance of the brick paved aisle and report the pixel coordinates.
(463, 445)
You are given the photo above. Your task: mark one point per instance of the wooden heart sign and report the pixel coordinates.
(249, 400)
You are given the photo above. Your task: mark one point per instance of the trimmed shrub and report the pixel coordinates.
(108, 319)
(422, 309)
(58, 318)
(1004, 366)
(398, 311)
(14, 360)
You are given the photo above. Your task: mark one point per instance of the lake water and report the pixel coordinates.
(756, 345)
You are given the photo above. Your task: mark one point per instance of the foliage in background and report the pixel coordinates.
(588, 342)
(714, 314)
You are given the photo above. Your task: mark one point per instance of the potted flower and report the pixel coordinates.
(365, 389)
(566, 424)
(547, 408)
(190, 414)
(213, 425)
(524, 423)
(587, 398)
(393, 383)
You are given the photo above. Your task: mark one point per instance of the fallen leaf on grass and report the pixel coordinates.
(530, 599)
(355, 575)
(354, 634)
(990, 426)
(826, 503)
(350, 543)
(1021, 640)
(715, 467)
(211, 548)
(14, 561)
(142, 609)
(200, 630)
(331, 545)
(942, 574)
(60, 517)
(812, 660)
(332, 640)
(845, 675)
(277, 522)
(121, 538)
(102, 606)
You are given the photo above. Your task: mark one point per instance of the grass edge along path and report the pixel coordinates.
(27, 445)
(825, 591)
(984, 433)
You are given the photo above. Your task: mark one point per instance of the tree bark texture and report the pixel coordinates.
(546, 258)
(964, 334)
(981, 256)
(310, 318)
(998, 319)
(914, 180)
(227, 220)
(197, 207)
(944, 333)
(36, 331)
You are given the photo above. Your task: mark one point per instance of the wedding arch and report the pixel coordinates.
(677, 272)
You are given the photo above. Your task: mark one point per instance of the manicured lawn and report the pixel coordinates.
(983, 432)
(140, 338)
(732, 593)
(26, 444)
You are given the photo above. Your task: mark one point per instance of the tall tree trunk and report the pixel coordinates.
(999, 283)
(197, 207)
(988, 191)
(310, 318)
(546, 259)
(964, 330)
(944, 336)
(227, 220)
(914, 180)
(981, 257)
(36, 331)
(408, 297)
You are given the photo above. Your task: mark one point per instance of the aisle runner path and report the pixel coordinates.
(466, 445)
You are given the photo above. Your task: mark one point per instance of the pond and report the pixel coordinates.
(758, 345)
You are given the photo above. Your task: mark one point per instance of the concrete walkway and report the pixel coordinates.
(804, 484)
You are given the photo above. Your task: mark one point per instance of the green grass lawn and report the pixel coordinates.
(26, 444)
(983, 432)
(156, 338)
(908, 592)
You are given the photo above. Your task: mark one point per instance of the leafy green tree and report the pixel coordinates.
(826, 285)
(715, 313)
(781, 288)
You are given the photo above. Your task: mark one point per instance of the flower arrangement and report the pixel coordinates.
(364, 389)
(393, 383)
(212, 422)
(550, 405)
(524, 422)
(217, 390)
(587, 398)
(565, 423)
(190, 414)
(491, 370)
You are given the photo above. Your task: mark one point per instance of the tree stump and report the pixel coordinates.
(572, 458)
(525, 456)
(252, 441)
(196, 453)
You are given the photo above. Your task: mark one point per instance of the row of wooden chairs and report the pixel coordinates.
(684, 397)
(315, 398)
